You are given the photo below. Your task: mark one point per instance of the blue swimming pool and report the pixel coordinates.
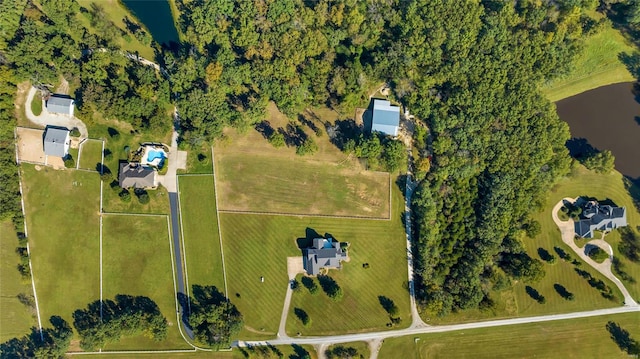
(152, 155)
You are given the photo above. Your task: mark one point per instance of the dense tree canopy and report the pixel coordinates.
(214, 319)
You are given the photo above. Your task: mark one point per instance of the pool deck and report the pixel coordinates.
(156, 161)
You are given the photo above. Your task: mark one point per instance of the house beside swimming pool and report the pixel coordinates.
(136, 175)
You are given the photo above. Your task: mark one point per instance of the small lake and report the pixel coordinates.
(608, 118)
(156, 16)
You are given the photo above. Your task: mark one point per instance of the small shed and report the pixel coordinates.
(56, 142)
(386, 118)
(62, 104)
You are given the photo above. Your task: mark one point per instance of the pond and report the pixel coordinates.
(608, 118)
(156, 16)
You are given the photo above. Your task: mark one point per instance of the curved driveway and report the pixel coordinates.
(567, 230)
(46, 118)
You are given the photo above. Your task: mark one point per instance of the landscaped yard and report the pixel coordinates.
(137, 261)
(200, 231)
(15, 318)
(64, 227)
(598, 65)
(578, 338)
(516, 301)
(91, 155)
(257, 246)
(158, 201)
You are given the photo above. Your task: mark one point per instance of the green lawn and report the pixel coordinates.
(158, 204)
(578, 338)
(516, 302)
(598, 65)
(64, 227)
(288, 351)
(115, 12)
(15, 317)
(199, 160)
(36, 105)
(91, 155)
(137, 261)
(268, 184)
(200, 230)
(257, 246)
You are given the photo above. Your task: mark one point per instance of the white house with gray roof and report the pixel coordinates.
(62, 104)
(324, 253)
(386, 118)
(597, 217)
(56, 142)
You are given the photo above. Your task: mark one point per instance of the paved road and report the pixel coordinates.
(46, 118)
(567, 230)
(337, 339)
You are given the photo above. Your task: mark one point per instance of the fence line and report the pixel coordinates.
(286, 214)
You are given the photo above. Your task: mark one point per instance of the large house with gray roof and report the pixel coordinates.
(597, 217)
(386, 118)
(56, 142)
(135, 175)
(324, 253)
(61, 104)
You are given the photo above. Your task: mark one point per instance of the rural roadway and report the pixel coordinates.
(377, 336)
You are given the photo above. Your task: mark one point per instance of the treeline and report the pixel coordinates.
(52, 343)
(498, 145)
(214, 319)
(51, 42)
(297, 53)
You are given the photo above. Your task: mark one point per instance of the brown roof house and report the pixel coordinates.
(324, 253)
(135, 175)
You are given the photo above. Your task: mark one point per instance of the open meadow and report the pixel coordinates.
(16, 318)
(598, 65)
(252, 175)
(137, 261)
(62, 213)
(200, 231)
(576, 338)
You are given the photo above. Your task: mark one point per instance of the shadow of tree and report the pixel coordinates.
(623, 339)
(265, 129)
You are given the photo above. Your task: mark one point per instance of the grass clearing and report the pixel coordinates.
(158, 204)
(256, 246)
(64, 235)
(15, 318)
(137, 261)
(576, 338)
(255, 176)
(200, 231)
(598, 65)
(91, 155)
(116, 12)
(264, 184)
(198, 161)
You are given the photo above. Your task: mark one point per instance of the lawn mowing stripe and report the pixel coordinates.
(287, 214)
(35, 296)
(215, 190)
(184, 252)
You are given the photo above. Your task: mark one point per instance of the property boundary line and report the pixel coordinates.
(184, 253)
(80, 152)
(215, 191)
(303, 215)
(26, 234)
(168, 351)
(135, 214)
(194, 174)
(101, 285)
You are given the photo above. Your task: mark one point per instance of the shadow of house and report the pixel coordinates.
(307, 240)
(601, 217)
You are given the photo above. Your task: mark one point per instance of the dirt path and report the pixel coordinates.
(52, 119)
(567, 230)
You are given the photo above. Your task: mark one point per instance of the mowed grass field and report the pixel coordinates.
(137, 261)
(257, 246)
(200, 231)
(597, 65)
(516, 302)
(577, 338)
(264, 183)
(91, 154)
(252, 175)
(15, 318)
(288, 351)
(64, 235)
